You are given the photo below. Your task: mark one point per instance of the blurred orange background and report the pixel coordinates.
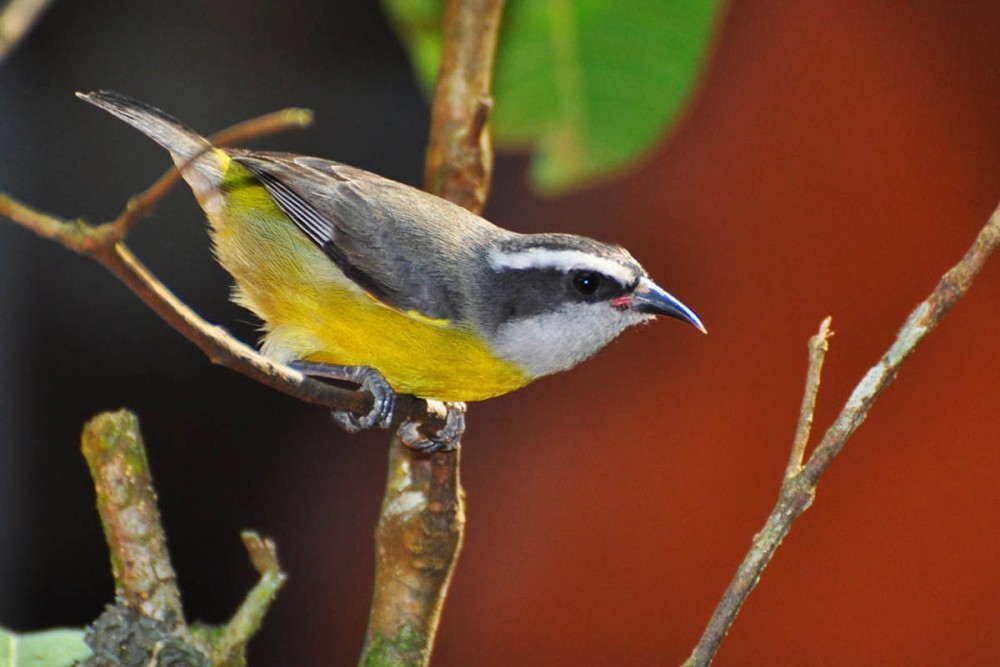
(837, 159)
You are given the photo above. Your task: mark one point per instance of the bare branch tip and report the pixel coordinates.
(262, 552)
(820, 340)
(299, 117)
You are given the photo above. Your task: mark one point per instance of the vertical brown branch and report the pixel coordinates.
(423, 515)
(460, 151)
(418, 539)
(144, 577)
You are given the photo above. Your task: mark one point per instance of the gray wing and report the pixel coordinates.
(408, 249)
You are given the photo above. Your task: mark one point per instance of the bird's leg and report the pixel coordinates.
(445, 439)
(412, 432)
(368, 379)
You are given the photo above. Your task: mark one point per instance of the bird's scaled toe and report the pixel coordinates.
(383, 403)
(368, 379)
(415, 433)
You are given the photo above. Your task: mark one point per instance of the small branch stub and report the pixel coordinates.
(818, 345)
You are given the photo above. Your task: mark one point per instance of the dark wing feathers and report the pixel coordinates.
(305, 217)
(404, 247)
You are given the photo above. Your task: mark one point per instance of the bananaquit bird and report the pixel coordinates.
(360, 278)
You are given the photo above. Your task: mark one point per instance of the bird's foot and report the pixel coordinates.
(413, 432)
(368, 379)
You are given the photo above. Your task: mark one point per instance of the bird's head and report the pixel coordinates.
(553, 300)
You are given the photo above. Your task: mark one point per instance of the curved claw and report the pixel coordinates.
(412, 432)
(383, 406)
(368, 379)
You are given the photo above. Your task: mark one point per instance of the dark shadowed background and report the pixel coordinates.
(838, 158)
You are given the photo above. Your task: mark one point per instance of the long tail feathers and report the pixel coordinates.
(192, 153)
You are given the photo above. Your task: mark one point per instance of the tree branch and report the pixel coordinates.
(799, 487)
(16, 19)
(460, 150)
(227, 645)
(818, 345)
(420, 529)
(148, 617)
(144, 577)
(418, 538)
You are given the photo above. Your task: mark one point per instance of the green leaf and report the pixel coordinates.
(589, 85)
(50, 648)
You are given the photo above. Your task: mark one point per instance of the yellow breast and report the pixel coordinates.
(312, 312)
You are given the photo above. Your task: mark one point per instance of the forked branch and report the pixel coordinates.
(146, 624)
(799, 486)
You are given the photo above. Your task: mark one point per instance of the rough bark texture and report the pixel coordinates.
(144, 578)
(419, 533)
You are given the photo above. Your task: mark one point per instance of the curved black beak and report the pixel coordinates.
(649, 297)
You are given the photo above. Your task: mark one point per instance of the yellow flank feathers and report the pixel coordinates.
(314, 313)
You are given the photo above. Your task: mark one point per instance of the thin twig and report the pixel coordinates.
(16, 19)
(217, 344)
(228, 647)
(261, 126)
(799, 488)
(925, 317)
(422, 522)
(818, 345)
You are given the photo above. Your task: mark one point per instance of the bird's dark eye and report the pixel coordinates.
(586, 282)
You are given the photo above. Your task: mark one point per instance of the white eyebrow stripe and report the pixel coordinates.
(560, 260)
